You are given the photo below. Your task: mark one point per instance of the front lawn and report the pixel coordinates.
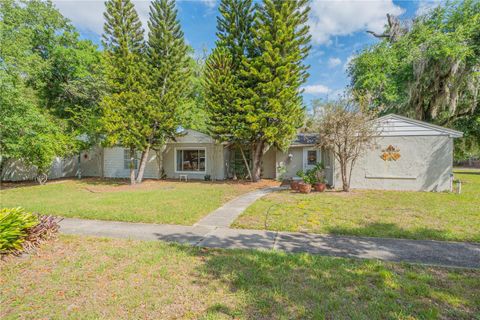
(153, 201)
(96, 278)
(414, 215)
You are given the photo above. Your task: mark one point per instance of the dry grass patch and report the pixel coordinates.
(153, 201)
(414, 215)
(95, 278)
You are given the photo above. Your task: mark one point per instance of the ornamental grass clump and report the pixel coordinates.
(22, 231)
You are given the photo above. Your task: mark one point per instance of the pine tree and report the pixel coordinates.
(169, 70)
(234, 28)
(272, 98)
(220, 85)
(126, 104)
(223, 82)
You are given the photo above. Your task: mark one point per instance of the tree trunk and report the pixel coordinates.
(257, 161)
(3, 164)
(246, 163)
(143, 164)
(352, 164)
(345, 182)
(159, 153)
(132, 166)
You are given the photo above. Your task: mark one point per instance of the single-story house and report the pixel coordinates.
(409, 155)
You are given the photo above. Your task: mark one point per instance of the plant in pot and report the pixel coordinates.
(319, 185)
(294, 184)
(308, 180)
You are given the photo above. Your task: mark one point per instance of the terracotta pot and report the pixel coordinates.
(304, 187)
(320, 187)
(294, 185)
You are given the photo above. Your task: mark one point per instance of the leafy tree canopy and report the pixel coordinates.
(50, 80)
(428, 69)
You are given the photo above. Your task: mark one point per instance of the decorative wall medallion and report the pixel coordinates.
(390, 154)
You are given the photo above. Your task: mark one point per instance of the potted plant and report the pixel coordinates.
(319, 184)
(308, 180)
(304, 187)
(313, 177)
(294, 184)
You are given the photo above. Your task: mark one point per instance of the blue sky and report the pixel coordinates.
(337, 27)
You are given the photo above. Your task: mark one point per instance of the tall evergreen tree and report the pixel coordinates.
(169, 70)
(127, 103)
(234, 28)
(272, 97)
(220, 83)
(223, 83)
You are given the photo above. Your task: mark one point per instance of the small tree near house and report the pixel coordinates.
(169, 70)
(127, 99)
(346, 130)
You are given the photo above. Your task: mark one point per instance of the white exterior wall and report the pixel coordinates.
(113, 159)
(114, 164)
(425, 164)
(91, 164)
(214, 164)
(61, 168)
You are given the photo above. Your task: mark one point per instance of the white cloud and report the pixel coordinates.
(424, 6)
(88, 14)
(347, 62)
(333, 62)
(315, 52)
(209, 3)
(344, 17)
(316, 89)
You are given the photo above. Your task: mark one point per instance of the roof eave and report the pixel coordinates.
(452, 133)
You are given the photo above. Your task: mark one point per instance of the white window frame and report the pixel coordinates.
(126, 152)
(305, 155)
(189, 148)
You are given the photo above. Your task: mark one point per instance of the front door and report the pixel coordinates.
(311, 156)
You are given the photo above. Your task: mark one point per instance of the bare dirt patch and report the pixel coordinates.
(4, 185)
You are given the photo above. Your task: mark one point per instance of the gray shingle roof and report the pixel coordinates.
(305, 138)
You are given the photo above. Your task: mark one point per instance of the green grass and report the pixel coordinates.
(96, 278)
(153, 201)
(413, 215)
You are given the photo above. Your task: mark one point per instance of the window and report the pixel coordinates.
(312, 157)
(126, 159)
(190, 160)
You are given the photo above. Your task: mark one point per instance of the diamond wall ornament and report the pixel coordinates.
(390, 154)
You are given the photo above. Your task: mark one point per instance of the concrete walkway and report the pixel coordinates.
(225, 215)
(452, 254)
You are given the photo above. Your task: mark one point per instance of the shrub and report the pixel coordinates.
(21, 230)
(314, 175)
(14, 224)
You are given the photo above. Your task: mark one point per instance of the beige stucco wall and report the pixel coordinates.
(292, 164)
(297, 162)
(269, 164)
(425, 164)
